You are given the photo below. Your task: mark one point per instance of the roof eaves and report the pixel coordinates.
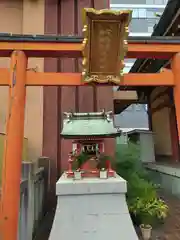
(162, 28)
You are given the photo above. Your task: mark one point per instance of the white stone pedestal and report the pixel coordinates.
(92, 209)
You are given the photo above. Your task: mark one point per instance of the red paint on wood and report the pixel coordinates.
(12, 158)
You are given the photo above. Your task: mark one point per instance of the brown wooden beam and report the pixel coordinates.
(125, 95)
(161, 106)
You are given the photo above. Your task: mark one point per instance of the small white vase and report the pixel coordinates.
(103, 174)
(146, 231)
(77, 175)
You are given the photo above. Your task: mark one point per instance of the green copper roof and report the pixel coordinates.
(77, 125)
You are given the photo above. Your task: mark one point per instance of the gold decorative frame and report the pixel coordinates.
(105, 44)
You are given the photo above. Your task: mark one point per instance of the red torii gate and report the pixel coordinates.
(18, 78)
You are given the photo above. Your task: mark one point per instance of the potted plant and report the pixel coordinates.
(149, 211)
(146, 226)
(102, 166)
(79, 160)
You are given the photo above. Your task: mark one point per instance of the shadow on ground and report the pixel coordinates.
(46, 225)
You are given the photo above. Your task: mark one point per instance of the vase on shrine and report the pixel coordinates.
(103, 166)
(103, 173)
(77, 175)
(146, 231)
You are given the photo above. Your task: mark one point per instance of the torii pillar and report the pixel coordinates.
(11, 174)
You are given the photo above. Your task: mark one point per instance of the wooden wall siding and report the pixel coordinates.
(161, 102)
(50, 99)
(65, 17)
(161, 99)
(162, 133)
(157, 91)
(149, 114)
(174, 136)
(67, 26)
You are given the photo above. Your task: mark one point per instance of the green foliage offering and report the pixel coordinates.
(79, 161)
(102, 161)
(144, 205)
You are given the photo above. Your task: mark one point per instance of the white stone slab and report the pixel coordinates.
(92, 209)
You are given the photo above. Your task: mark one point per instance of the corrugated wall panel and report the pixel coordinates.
(67, 26)
(85, 94)
(50, 98)
(66, 16)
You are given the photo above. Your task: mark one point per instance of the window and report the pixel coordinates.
(151, 24)
(139, 6)
(157, 2)
(135, 13)
(130, 60)
(128, 64)
(138, 25)
(150, 14)
(139, 34)
(142, 13)
(126, 69)
(149, 1)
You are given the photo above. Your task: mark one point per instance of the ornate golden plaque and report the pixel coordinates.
(104, 45)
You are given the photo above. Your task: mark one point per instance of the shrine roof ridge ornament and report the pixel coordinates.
(88, 115)
(93, 124)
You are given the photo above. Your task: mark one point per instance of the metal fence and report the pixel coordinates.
(31, 204)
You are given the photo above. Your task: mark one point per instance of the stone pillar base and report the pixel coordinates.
(92, 209)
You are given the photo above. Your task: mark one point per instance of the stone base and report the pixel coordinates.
(92, 209)
(166, 175)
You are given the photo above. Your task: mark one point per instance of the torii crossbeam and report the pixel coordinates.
(95, 68)
(165, 78)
